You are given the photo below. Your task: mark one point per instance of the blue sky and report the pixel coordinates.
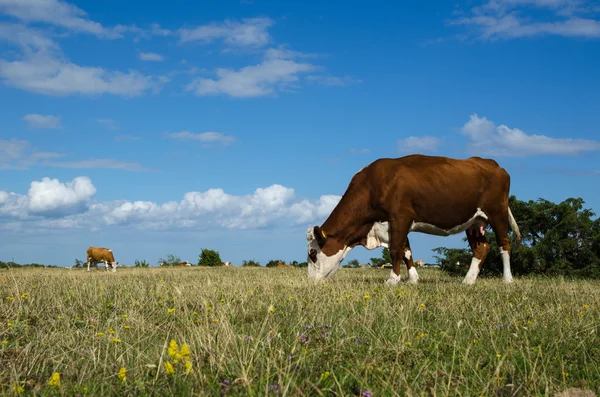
(235, 125)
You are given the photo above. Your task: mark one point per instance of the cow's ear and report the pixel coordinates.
(320, 235)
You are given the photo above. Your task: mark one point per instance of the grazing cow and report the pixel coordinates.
(183, 264)
(428, 194)
(282, 265)
(99, 254)
(420, 263)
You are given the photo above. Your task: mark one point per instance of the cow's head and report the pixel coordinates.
(114, 266)
(321, 265)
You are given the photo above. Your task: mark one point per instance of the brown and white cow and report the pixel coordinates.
(390, 198)
(99, 254)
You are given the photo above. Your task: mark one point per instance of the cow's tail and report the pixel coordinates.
(514, 227)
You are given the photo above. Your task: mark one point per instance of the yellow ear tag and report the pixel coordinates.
(323, 233)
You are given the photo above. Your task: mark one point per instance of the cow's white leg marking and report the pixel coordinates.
(88, 264)
(407, 254)
(394, 278)
(473, 272)
(413, 276)
(508, 278)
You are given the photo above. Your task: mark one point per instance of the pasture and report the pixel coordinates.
(259, 331)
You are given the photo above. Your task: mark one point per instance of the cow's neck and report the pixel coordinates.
(351, 219)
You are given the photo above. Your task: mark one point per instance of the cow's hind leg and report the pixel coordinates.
(398, 230)
(413, 276)
(499, 223)
(479, 250)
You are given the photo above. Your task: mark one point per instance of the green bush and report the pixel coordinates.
(209, 257)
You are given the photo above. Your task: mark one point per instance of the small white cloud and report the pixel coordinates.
(42, 121)
(488, 139)
(504, 19)
(50, 197)
(359, 151)
(252, 81)
(415, 144)
(45, 74)
(108, 123)
(151, 56)
(206, 137)
(250, 32)
(57, 13)
(100, 164)
(20, 155)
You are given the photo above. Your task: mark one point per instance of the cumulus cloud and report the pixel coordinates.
(42, 121)
(50, 197)
(206, 137)
(52, 204)
(506, 19)
(150, 56)
(252, 32)
(276, 72)
(488, 139)
(415, 144)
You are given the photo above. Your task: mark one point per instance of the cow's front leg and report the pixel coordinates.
(105, 265)
(413, 276)
(398, 230)
(88, 264)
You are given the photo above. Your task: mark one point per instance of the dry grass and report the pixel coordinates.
(273, 332)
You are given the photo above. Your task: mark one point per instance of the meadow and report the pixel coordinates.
(259, 331)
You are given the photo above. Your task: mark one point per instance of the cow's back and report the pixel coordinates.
(100, 253)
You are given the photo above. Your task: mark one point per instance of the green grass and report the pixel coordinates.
(349, 335)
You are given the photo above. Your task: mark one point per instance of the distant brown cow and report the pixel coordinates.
(99, 254)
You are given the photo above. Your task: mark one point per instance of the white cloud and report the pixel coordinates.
(50, 197)
(488, 139)
(415, 144)
(46, 74)
(359, 151)
(250, 32)
(108, 123)
(71, 205)
(42, 121)
(150, 56)
(505, 19)
(18, 154)
(206, 137)
(253, 81)
(57, 13)
(99, 164)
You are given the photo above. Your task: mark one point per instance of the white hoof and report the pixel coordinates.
(508, 279)
(413, 276)
(394, 279)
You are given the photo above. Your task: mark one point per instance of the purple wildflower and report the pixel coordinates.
(275, 387)
(226, 382)
(366, 393)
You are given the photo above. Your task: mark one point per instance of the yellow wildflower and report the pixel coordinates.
(475, 340)
(55, 380)
(586, 306)
(215, 321)
(116, 340)
(18, 389)
(195, 313)
(185, 351)
(271, 309)
(325, 375)
(10, 298)
(111, 331)
(125, 315)
(367, 296)
(169, 369)
(123, 375)
(5, 342)
(422, 305)
(100, 334)
(25, 295)
(9, 324)
(173, 348)
(498, 355)
(172, 310)
(188, 367)
(127, 327)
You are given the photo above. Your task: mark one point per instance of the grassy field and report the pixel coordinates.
(259, 331)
